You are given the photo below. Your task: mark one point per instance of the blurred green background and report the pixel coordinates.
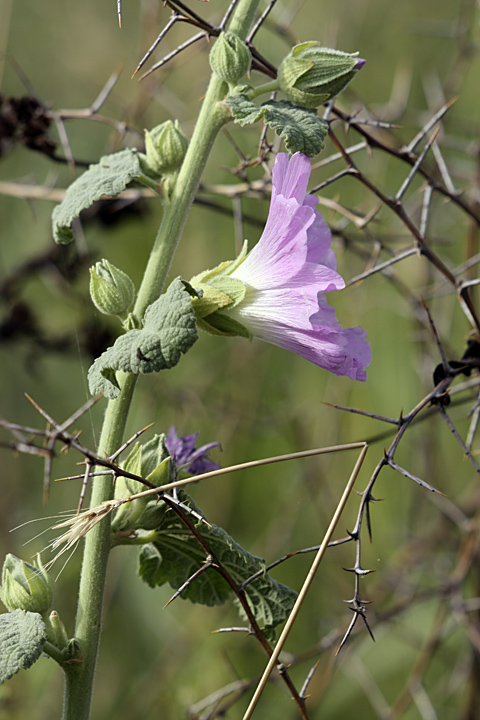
(257, 400)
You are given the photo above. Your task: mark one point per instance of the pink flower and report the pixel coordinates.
(287, 275)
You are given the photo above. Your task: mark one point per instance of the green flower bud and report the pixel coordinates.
(230, 58)
(111, 289)
(151, 461)
(72, 650)
(25, 586)
(152, 516)
(310, 74)
(165, 148)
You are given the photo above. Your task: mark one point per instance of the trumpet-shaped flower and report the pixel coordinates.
(284, 280)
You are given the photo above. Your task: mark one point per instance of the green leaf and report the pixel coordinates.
(108, 178)
(169, 329)
(303, 130)
(22, 635)
(176, 555)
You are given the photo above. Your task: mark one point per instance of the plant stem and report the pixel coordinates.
(268, 87)
(143, 539)
(79, 676)
(52, 650)
(213, 115)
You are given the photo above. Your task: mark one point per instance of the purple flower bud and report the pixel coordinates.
(186, 456)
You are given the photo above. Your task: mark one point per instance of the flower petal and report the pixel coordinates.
(282, 249)
(342, 352)
(284, 318)
(283, 308)
(290, 177)
(319, 238)
(186, 456)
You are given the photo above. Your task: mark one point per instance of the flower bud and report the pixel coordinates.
(111, 290)
(230, 58)
(310, 74)
(72, 650)
(25, 586)
(151, 461)
(165, 148)
(152, 516)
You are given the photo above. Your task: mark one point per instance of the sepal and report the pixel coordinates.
(216, 290)
(218, 323)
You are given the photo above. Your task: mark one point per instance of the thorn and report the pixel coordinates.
(358, 571)
(35, 405)
(247, 631)
(368, 627)
(170, 601)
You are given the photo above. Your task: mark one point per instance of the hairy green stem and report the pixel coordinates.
(143, 539)
(213, 115)
(79, 675)
(52, 650)
(269, 87)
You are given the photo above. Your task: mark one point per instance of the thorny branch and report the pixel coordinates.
(58, 433)
(182, 13)
(240, 594)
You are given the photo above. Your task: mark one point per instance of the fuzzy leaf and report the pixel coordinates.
(108, 178)
(22, 635)
(302, 130)
(176, 555)
(169, 329)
